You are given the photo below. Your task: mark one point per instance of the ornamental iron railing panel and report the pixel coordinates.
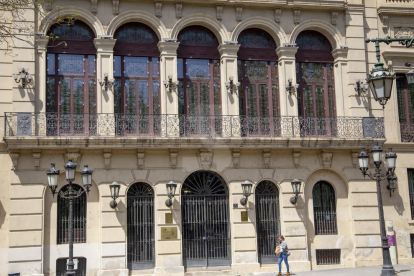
(328, 256)
(121, 125)
(80, 266)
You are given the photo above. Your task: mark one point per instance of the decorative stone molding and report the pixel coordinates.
(278, 13)
(37, 153)
(354, 155)
(296, 158)
(206, 158)
(115, 7)
(266, 158)
(334, 17)
(48, 6)
(173, 158)
(75, 155)
(384, 20)
(236, 158)
(141, 156)
(326, 159)
(158, 9)
(404, 32)
(296, 16)
(107, 158)
(219, 12)
(178, 10)
(239, 11)
(94, 6)
(104, 45)
(14, 155)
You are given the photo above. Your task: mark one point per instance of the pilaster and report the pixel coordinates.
(41, 55)
(341, 84)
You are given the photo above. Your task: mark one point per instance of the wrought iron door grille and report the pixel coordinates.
(328, 256)
(324, 209)
(268, 221)
(141, 241)
(412, 244)
(61, 267)
(79, 218)
(411, 190)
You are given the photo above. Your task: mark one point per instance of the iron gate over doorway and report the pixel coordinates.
(140, 221)
(268, 221)
(205, 213)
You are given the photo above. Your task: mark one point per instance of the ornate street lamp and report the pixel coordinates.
(114, 187)
(387, 268)
(71, 194)
(296, 190)
(247, 191)
(171, 186)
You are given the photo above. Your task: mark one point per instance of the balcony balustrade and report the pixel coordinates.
(226, 126)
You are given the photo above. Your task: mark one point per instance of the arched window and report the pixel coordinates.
(257, 73)
(79, 217)
(199, 96)
(324, 209)
(405, 97)
(314, 74)
(71, 80)
(137, 80)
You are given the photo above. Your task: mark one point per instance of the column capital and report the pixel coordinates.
(104, 44)
(286, 52)
(41, 44)
(340, 54)
(228, 50)
(168, 48)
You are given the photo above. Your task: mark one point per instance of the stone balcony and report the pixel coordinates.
(26, 130)
(395, 7)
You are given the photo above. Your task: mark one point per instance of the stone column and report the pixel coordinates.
(340, 73)
(169, 101)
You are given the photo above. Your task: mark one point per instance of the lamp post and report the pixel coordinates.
(71, 194)
(387, 268)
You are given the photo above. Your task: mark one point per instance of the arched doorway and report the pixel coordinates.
(268, 221)
(205, 218)
(140, 227)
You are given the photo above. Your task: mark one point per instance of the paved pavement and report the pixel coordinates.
(401, 270)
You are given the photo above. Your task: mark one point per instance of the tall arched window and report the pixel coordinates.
(324, 209)
(314, 74)
(71, 80)
(79, 217)
(199, 96)
(137, 80)
(257, 73)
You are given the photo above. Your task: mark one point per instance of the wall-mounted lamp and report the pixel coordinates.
(114, 187)
(106, 82)
(231, 85)
(392, 183)
(25, 77)
(170, 84)
(247, 191)
(53, 178)
(360, 87)
(86, 174)
(410, 74)
(296, 190)
(291, 88)
(171, 186)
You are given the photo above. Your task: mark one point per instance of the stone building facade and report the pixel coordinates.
(172, 111)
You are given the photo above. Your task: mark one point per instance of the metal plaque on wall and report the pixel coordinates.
(168, 233)
(24, 124)
(168, 218)
(368, 125)
(244, 216)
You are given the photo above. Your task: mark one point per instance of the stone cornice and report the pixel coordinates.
(104, 45)
(402, 53)
(402, 9)
(403, 147)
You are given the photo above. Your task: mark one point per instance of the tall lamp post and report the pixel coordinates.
(71, 194)
(390, 157)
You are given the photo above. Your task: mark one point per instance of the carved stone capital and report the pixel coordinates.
(236, 158)
(158, 9)
(115, 7)
(37, 153)
(14, 155)
(334, 17)
(206, 158)
(278, 13)
(384, 20)
(178, 10)
(239, 11)
(266, 158)
(141, 156)
(326, 159)
(219, 12)
(173, 158)
(107, 153)
(75, 155)
(296, 16)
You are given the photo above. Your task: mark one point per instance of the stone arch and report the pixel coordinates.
(203, 20)
(328, 175)
(138, 16)
(225, 182)
(329, 31)
(271, 27)
(80, 13)
(277, 185)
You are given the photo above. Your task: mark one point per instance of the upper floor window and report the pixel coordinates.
(405, 97)
(324, 209)
(257, 73)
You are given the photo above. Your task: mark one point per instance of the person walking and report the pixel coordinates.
(284, 253)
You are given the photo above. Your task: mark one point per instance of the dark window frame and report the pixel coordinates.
(325, 216)
(410, 176)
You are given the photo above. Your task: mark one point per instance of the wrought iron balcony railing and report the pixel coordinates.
(120, 125)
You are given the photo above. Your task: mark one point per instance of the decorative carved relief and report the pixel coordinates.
(266, 158)
(206, 158)
(326, 159)
(158, 9)
(141, 156)
(107, 158)
(236, 158)
(296, 16)
(404, 32)
(384, 20)
(173, 158)
(75, 155)
(219, 12)
(334, 17)
(239, 11)
(94, 6)
(37, 153)
(14, 155)
(296, 158)
(178, 10)
(115, 7)
(278, 13)
(354, 154)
